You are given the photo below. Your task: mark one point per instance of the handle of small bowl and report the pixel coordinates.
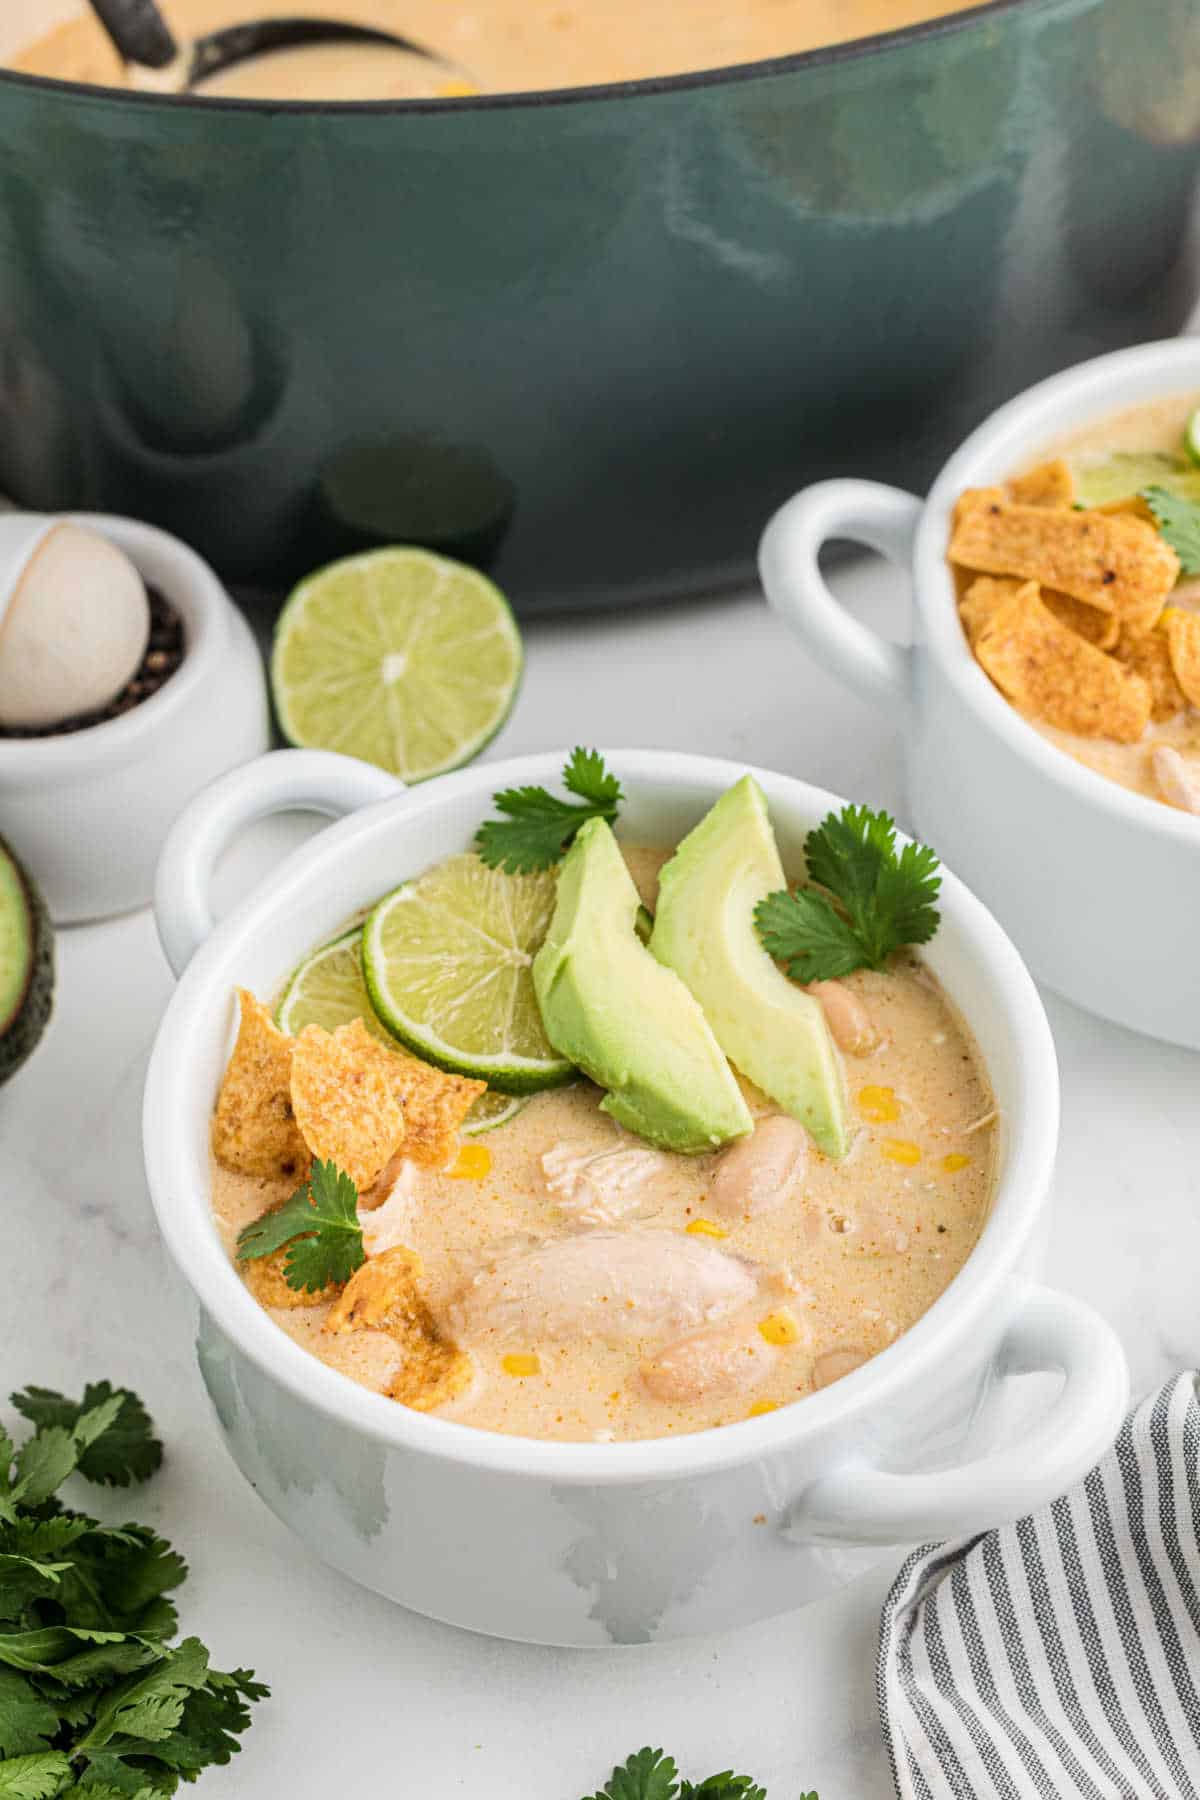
(282, 781)
(863, 512)
(861, 1504)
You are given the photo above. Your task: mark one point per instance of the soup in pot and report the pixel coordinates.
(497, 46)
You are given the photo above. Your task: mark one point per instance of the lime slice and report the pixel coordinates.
(448, 965)
(491, 1109)
(328, 989)
(400, 657)
(1118, 477)
(1191, 437)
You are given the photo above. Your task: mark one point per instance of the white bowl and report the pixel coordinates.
(87, 811)
(601, 1543)
(1099, 886)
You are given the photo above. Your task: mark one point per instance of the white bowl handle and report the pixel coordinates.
(861, 1504)
(864, 512)
(282, 781)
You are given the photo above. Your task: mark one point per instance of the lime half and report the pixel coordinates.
(448, 960)
(400, 657)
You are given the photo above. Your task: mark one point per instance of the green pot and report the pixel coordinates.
(589, 338)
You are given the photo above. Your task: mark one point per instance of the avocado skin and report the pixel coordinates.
(25, 1028)
(626, 1021)
(768, 1026)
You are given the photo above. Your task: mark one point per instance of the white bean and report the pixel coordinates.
(761, 1172)
(850, 1024)
(1177, 781)
(710, 1364)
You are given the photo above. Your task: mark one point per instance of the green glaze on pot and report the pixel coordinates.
(591, 339)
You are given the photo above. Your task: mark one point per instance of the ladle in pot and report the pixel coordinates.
(156, 59)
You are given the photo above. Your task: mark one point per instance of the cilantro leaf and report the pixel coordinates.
(319, 1223)
(1178, 521)
(876, 900)
(27, 1721)
(726, 1786)
(647, 1775)
(806, 932)
(36, 1777)
(585, 775)
(539, 827)
(124, 1450)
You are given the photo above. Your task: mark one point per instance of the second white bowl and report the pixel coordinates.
(1099, 886)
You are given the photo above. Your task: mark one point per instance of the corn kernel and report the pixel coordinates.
(954, 1162)
(901, 1150)
(521, 1362)
(455, 90)
(706, 1228)
(878, 1104)
(779, 1327)
(762, 1406)
(472, 1163)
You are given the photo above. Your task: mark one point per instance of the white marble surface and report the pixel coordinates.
(368, 1698)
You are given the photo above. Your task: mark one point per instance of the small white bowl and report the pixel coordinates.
(575, 1543)
(87, 811)
(1099, 886)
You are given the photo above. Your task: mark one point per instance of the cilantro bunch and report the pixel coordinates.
(649, 1775)
(539, 827)
(95, 1701)
(875, 899)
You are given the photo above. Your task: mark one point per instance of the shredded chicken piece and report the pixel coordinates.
(385, 1295)
(386, 1215)
(601, 1187)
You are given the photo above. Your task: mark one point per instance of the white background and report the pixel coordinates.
(369, 1699)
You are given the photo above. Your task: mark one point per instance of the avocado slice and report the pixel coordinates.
(26, 964)
(622, 1017)
(704, 929)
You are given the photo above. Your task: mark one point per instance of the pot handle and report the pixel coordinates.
(864, 512)
(281, 781)
(860, 1504)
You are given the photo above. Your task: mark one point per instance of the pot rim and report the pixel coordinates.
(612, 91)
(197, 595)
(1041, 415)
(183, 1205)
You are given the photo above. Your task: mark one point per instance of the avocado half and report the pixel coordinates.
(26, 965)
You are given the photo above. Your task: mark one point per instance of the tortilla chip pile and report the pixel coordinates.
(339, 1096)
(345, 1097)
(1067, 610)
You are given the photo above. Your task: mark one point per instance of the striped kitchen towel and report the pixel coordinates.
(1060, 1656)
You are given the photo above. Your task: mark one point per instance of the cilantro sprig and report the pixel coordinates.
(319, 1223)
(539, 827)
(868, 901)
(649, 1775)
(1178, 521)
(95, 1701)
